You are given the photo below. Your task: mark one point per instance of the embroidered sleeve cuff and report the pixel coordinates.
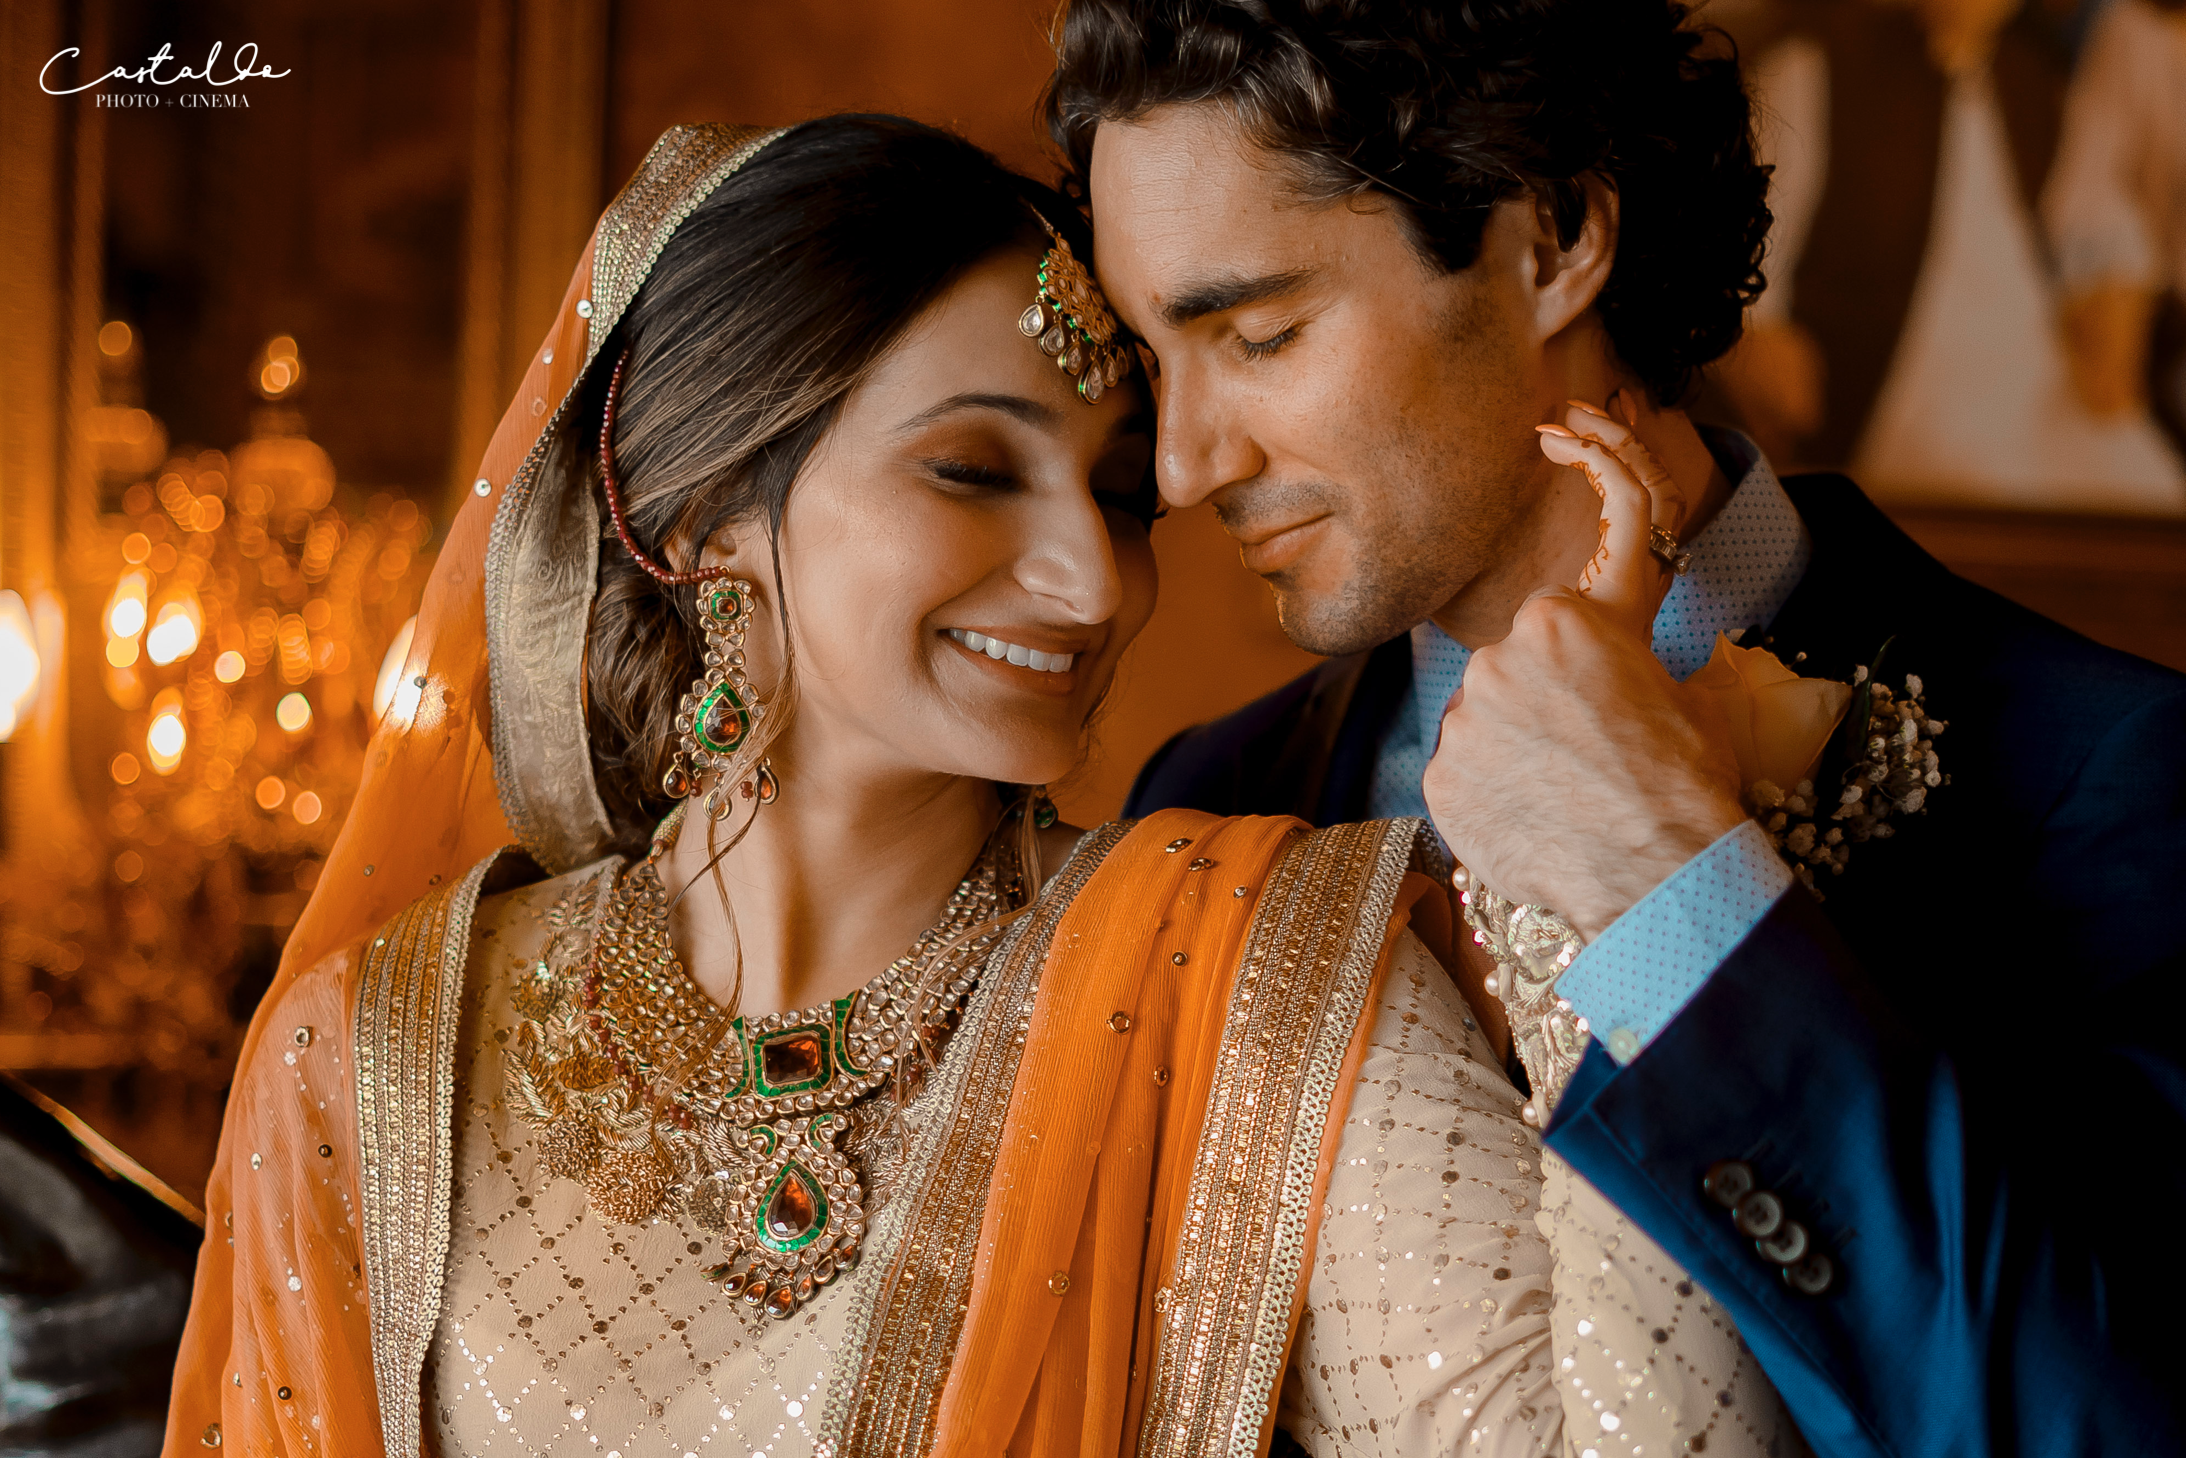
(1634, 977)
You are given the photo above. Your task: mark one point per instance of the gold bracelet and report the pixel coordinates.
(1532, 946)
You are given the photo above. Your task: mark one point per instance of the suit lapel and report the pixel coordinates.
(1330, 754)
(1867, 582)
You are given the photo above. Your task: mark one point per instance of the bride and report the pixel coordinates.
(794, 1082)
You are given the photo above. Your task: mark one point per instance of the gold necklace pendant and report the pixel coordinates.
(797, 1217)
(646, 1092)
(797, 1220)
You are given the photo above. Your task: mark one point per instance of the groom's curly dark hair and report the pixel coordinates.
(1447, 106)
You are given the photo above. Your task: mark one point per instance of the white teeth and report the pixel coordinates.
(1016, 653)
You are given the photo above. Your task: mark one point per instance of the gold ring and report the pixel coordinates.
(1666, 550)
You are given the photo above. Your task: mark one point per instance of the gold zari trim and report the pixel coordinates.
(682, 171)
(409, 1005)
(1300, 991)
(903, 1333)
(542, 556)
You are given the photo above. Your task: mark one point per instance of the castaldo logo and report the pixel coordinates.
(162, 70)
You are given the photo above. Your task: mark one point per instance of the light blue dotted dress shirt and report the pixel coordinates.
(1633, 978)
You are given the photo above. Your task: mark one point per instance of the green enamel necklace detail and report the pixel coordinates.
(642, 1089)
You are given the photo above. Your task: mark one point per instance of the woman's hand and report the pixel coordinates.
(1573, 772)
(1625, 575)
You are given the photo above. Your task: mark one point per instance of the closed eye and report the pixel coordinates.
(1262, 348)
(968, 473)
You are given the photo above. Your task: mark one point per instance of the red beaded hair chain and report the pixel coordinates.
(614, 496)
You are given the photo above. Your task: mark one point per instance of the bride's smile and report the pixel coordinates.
(999, 651)
(964, 557)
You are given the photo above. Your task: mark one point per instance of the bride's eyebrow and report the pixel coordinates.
(1017, 407)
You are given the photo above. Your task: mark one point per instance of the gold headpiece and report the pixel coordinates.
(1072, 322)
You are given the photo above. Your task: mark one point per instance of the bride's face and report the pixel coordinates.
(961, 569)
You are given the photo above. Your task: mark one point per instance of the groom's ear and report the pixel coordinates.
(1571, 251)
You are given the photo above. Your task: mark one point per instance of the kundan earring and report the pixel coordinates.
(715, 720)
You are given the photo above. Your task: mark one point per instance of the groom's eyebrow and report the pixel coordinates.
(1215, 296)
(1017, 407)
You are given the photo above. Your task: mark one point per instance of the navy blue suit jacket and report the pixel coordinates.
(1965, 1070)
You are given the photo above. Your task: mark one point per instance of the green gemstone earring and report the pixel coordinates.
(714, 722)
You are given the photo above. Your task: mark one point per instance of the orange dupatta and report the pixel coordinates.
(1116, 1261)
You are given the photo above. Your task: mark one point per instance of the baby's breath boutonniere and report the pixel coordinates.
(1886, 764)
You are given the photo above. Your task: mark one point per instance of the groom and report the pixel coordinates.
(1372, 246)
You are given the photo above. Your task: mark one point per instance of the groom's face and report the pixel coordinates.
(1360, 419)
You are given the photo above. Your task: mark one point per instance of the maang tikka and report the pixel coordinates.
(715, 718)
(1070, 320)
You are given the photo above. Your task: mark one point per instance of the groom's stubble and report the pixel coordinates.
(1403, 415)
(1433, 496)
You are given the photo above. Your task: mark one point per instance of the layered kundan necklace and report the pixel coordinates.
(646, 1091)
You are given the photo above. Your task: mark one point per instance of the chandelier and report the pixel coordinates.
(251, 615)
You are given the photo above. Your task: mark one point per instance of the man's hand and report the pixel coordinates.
(1573, 771)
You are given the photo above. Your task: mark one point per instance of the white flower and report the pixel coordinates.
(1899, 765)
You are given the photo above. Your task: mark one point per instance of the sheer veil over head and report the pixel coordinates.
(485, 740)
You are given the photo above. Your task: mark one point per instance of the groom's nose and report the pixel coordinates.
(1201, 442)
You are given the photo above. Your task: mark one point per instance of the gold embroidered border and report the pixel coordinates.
(902, 1336)
(680, 172)
(1300, 990)
(409, 1003)
(534, 676)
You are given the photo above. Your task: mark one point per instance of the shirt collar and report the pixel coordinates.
(1744, 566)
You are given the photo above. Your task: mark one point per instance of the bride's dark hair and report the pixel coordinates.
(766, 308)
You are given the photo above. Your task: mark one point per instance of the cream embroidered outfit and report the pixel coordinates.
(1444, 1298)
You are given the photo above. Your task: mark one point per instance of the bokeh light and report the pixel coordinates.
(293, 713)
(122, 652)
(167, 735)
(279, 369)
(125, 768)
(175, 632)
(115, 338)
(128, 866)
(306, 809)
(135, 548)
(18, 662)
(271, 792)
(125, 611)
(229, 666)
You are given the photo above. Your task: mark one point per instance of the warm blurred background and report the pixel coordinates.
(250, 353)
